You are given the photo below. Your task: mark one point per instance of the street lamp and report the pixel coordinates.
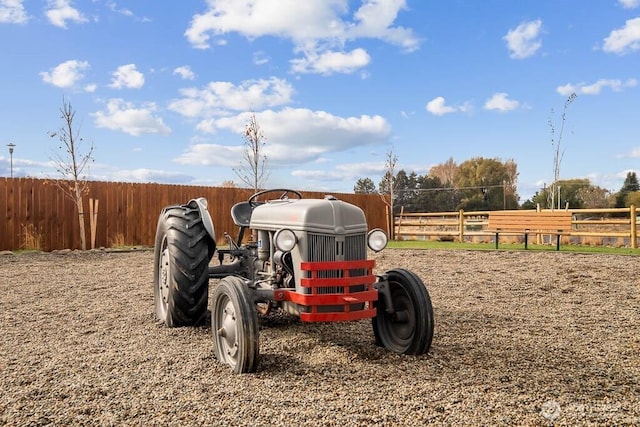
(11, 145)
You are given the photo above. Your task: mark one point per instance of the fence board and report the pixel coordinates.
(126, 209)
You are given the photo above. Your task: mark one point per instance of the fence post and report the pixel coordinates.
(634, 227)
(461, 226)
(398, 234)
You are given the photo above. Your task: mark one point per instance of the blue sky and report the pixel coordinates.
(163, 89)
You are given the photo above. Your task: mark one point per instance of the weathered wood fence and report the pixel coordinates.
(36, 212)
(614, 226)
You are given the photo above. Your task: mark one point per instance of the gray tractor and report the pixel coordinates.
(307, 257)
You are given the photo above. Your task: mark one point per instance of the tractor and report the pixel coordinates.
(307, 257)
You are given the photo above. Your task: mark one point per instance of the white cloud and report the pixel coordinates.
(633, 154)
(218, 97)
(12, 12)
(90, 88)
(185, 72)
(330, 62)
(313, 26)
(500, 101)
(60, 11)
(438, 107)
(595, 88)
(625, 39)
(66, 74)
(127, 76)
(151, 175)
(523, 41)
(123, 11)
(629, 4)
(375, 20)
(342, 172)
(211, 155)
(125, 117)
(260, 58)
(293, 135)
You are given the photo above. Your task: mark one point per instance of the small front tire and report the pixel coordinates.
(234, 325)
(409, 329)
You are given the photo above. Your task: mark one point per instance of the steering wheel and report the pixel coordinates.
(253, 203)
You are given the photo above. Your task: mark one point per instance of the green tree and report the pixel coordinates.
(364, 186)
(487, 184)
(633, 198)
(406, 189)
(630, 185)
(433, 196)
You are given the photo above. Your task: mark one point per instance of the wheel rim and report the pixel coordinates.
(399, 328)
(163, 279)
(227, 331)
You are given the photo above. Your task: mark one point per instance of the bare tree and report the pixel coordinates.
(71, 163)
(389, 185)
(253, 171)
(558, 152)
(228, 184)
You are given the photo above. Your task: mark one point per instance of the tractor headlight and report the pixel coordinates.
(285, 239)
(376, 240)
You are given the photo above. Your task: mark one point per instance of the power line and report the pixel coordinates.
(451, 188)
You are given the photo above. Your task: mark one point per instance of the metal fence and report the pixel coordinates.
(37, 214)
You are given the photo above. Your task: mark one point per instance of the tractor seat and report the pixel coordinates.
(241, 213)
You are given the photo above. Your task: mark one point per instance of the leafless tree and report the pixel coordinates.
(253, 171)
(558, 151)
(70, 163)
(389, 185)
(228, 184)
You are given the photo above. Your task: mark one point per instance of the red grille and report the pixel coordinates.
(348, 293)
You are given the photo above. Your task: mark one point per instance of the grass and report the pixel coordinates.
(428, 244)
(118, 241)
(30, 238)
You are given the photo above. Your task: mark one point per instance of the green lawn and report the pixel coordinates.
(427, 244)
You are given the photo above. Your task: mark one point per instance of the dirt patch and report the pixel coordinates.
(524, 338)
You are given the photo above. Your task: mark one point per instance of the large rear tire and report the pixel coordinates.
(234, 325)
(183, 249)
(409, 330)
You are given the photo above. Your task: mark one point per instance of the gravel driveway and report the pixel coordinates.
(524, 338)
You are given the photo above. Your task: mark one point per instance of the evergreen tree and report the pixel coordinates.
(629, 186)
(364, 186)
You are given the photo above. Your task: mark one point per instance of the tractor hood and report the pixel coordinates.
(327, 216)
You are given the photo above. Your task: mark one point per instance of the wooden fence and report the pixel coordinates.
(609, 227)
(37, 214)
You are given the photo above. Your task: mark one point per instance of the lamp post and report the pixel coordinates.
(11, 145)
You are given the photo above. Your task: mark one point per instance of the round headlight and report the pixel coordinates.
(285, 239)
(377, 240)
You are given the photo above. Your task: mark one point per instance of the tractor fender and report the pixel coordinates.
(201, 203)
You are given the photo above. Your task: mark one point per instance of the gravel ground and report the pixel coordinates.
(524, 338)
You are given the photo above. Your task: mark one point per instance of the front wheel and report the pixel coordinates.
(409, 329)
(234, 324)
